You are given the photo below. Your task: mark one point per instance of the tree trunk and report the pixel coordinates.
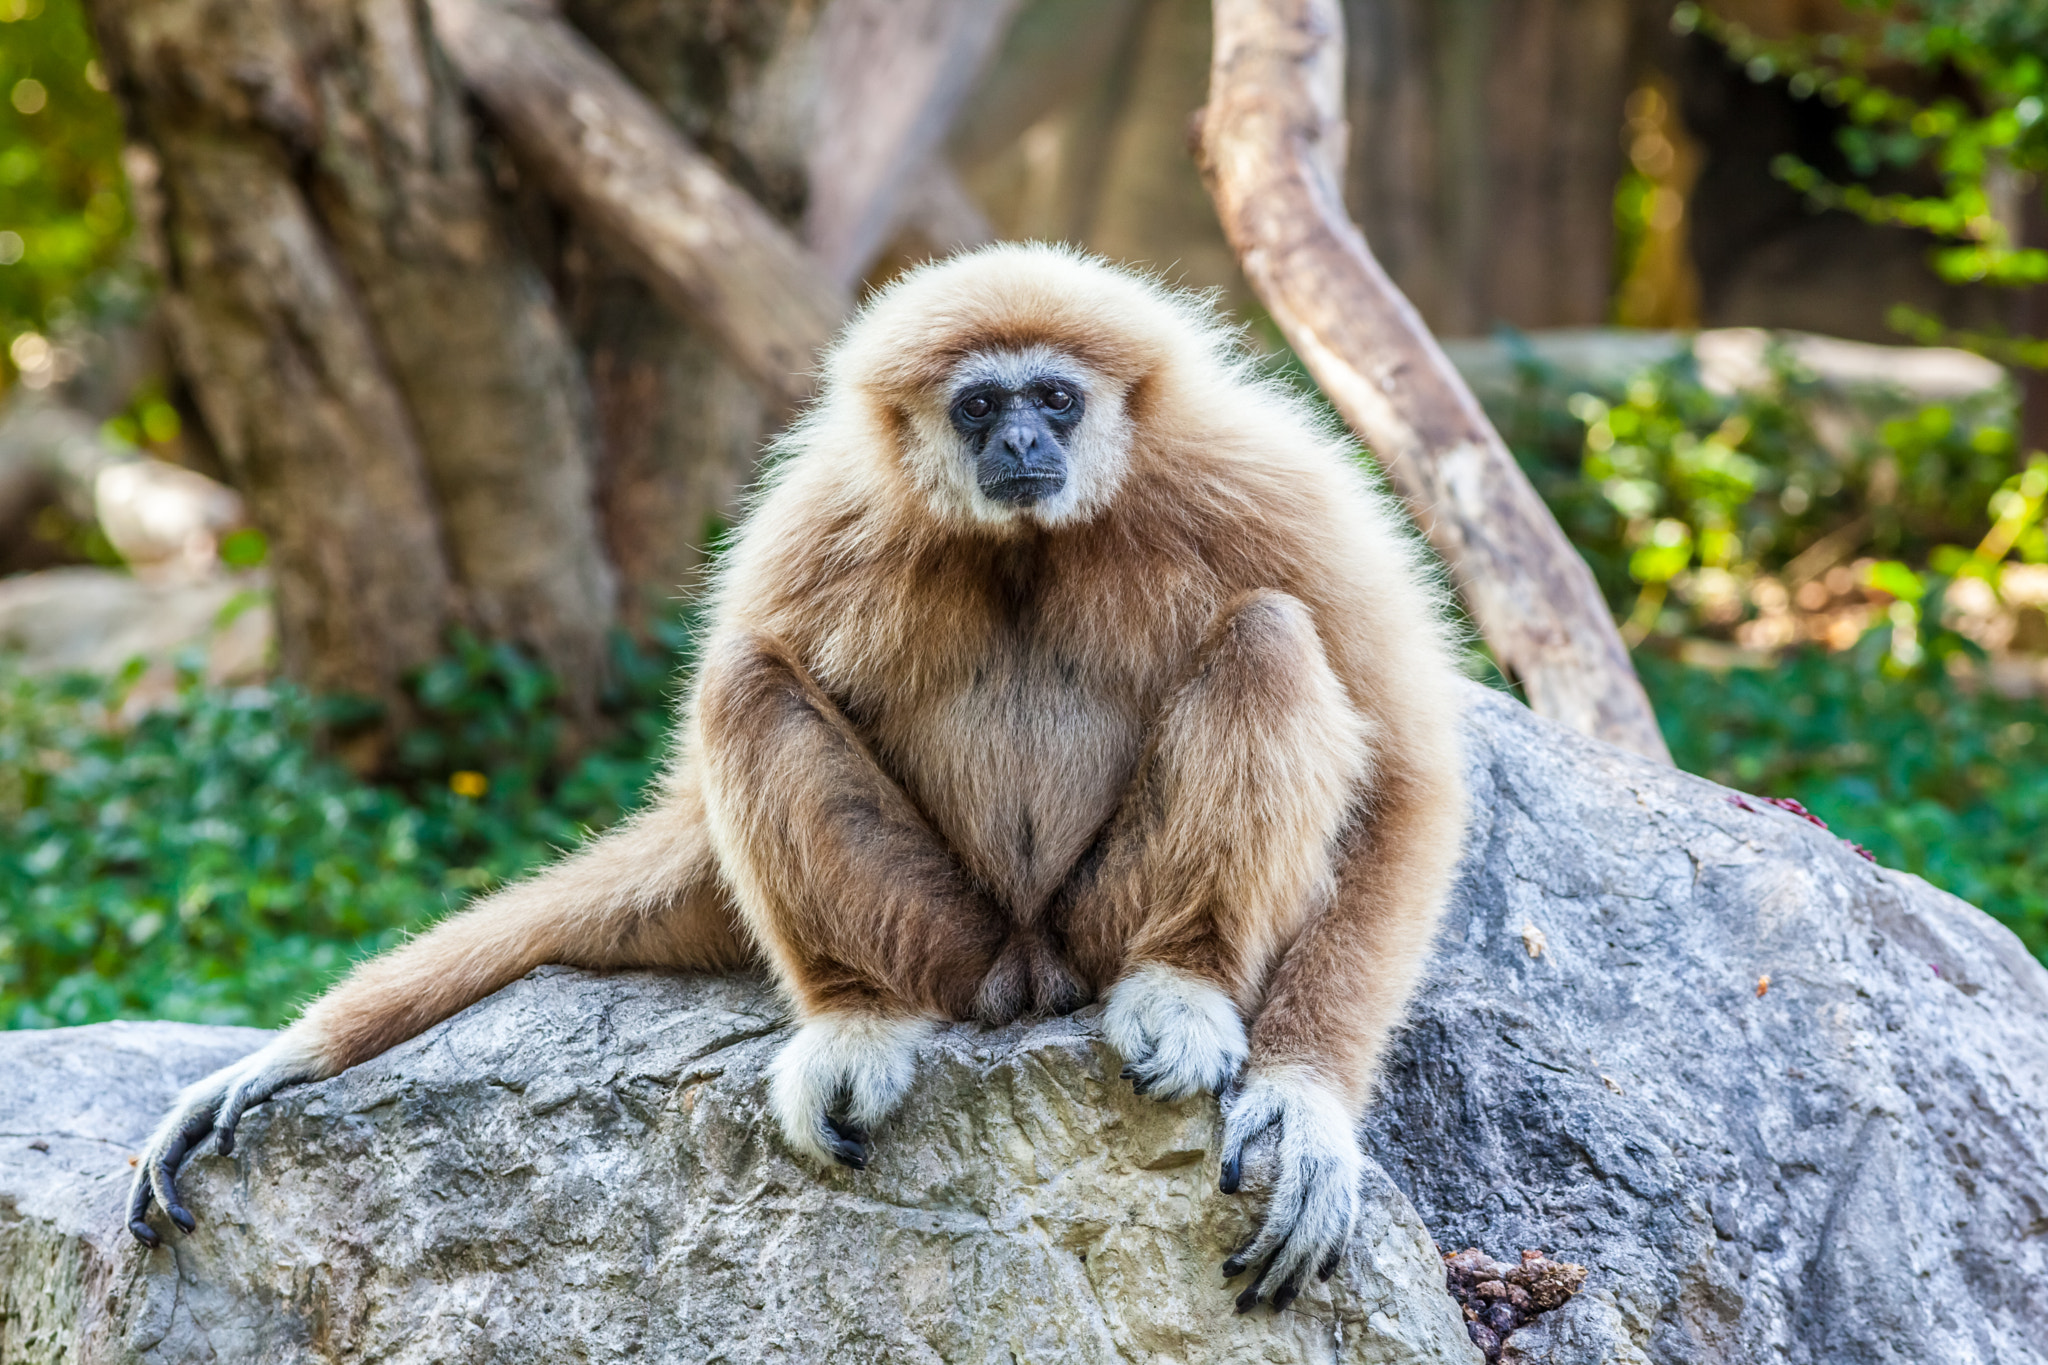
(682, 425)
(282, 357)
(1485, 149)
(382, 367)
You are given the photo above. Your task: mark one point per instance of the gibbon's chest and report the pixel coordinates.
(1019, 745)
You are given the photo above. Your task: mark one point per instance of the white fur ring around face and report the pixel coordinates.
(840, 1076)
(1312, 1194)
(1178, 1033)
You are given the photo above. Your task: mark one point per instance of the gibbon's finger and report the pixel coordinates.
(1253, 1112)
(1178, 1033)
(138, 1210)
(1139, 1083)
(1269, 1248)
(1330, 1263)
(163, 1159)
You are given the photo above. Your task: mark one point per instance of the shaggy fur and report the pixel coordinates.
(1182, 734)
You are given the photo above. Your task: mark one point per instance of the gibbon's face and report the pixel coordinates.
(1029, 435)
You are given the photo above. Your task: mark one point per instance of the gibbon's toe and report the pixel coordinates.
(847, 1142)
(1312, 1192)
(1178, 1033)
(214, 1105)
(1055, 988)
(1005, 993)
(840, 1076)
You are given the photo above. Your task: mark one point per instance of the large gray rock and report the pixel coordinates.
(1850, 1166)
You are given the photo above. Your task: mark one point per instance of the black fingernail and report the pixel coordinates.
(1330, 1264)
(1233, 1268)
(145, 1234)
(183, 1219)
(1286, 1295)
(1233, 1173)
(1127, 1074)
(1248, 1300)
(226, 1143)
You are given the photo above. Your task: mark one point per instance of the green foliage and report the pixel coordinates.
(1935, 779)
(210, 864)
(1990, 138)
(64, 215)
(1682, 499)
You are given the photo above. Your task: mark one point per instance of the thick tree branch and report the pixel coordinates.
(1271, 145)
(610, 155)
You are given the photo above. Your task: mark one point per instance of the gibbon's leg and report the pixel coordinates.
(646, 894)
(874, 928)
(1222, 847)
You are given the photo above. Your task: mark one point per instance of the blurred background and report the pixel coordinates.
(353, 491)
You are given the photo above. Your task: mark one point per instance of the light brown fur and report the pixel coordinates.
(942, 763)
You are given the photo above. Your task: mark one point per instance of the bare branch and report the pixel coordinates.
(1271, 145)
(607, 152)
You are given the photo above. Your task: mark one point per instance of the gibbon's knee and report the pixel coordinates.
(1256, 764)
(856, 902)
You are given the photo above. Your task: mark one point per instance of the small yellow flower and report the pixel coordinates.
(469, 784)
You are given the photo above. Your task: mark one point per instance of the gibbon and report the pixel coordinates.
(1062, 656)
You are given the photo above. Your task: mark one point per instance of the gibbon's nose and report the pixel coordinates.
(1021, 441)
(1022, 463)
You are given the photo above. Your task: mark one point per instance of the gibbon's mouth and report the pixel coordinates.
(1022, 490)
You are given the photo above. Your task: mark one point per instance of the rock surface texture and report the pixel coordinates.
(1849, 1164)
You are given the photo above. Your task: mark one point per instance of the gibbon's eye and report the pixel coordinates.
(1059, 400)
(977, 407)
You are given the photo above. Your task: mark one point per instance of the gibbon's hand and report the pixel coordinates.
(840, 1076)
(214, 1105)
(1312, 1194)
(1178, 1033)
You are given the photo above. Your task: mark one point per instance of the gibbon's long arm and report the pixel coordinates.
(1339, 991)
(872, 925)
(1221, 853)
(645, 894)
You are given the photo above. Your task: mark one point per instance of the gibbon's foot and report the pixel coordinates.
(1178, 1033)
(214, 1105)
(839, 1077)
(1029, 978)
(1312, 1195)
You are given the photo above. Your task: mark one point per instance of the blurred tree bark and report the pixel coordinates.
(1485, 146)
(381, 363)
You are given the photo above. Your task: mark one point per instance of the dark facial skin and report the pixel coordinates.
(1018, 437)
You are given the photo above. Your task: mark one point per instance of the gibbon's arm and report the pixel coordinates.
(645, 894)
(1343, 986)
(1221, 856)
(871, 924)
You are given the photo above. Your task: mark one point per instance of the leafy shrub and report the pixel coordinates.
(1668, 488)
(210, 864)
